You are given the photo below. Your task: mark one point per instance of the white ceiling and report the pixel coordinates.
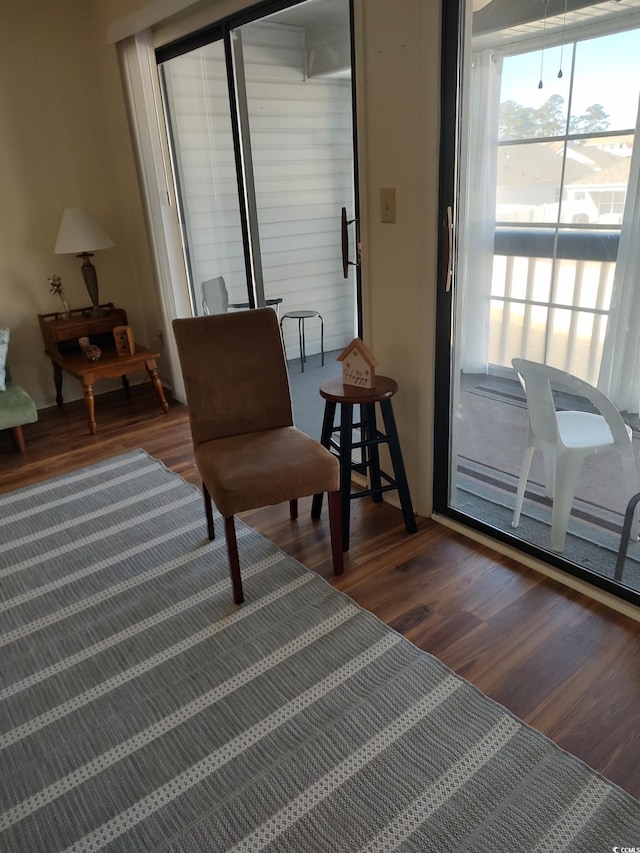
(496, 23)
(501, 22)
(314, 12)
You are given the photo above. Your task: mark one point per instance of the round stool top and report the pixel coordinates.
(301, 315)
(337, 392)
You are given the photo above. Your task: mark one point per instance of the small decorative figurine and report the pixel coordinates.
(91, 351)
(56, 287)
(358, 365)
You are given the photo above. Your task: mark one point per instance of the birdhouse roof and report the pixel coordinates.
(362, 349)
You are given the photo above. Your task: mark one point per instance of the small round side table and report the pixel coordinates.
(336, 393)
(301, 316)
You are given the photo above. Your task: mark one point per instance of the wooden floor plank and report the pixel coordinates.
(564, 663)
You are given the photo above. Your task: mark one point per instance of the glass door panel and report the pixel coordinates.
(260, 121)
(199, 120)
(287, 142)
(545, 230)
(296, 79)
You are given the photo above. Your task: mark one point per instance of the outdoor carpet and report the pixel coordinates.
(593, 533)
(142, 710)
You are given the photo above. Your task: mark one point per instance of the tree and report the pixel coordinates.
(550, 119)
(515, 121)
(592, 120)
(519, 122)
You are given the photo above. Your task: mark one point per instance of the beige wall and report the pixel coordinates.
(398, 67)
(64, 134)
(65, 142)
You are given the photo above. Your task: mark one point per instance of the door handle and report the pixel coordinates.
(346, 263)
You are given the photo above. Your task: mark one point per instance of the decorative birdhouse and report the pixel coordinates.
(358, 365)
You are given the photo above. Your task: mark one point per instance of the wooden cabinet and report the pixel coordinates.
(60, 335)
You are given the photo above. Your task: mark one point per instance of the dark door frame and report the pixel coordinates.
(453, 21)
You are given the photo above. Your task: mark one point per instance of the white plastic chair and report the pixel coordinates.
(567, 438)
(215, 298)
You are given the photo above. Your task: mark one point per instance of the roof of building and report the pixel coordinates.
(363, 350)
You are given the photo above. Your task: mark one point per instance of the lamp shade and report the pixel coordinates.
(80, 232)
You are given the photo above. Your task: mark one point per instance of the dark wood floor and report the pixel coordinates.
(563, 663)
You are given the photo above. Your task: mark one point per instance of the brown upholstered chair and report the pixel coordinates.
(247, 450)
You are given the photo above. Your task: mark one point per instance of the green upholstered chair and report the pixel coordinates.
(16, 409)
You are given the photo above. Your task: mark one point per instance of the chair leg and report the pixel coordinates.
(208, 511)
(293, 508)
(522, 483)
(631, 485)
(18, 439)
(335, 525)
(549, 460)
(234, 562)
(626, 535)
(567, 475)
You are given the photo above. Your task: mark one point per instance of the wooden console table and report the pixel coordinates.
(60, 335)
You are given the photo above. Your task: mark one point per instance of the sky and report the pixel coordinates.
(607, 72)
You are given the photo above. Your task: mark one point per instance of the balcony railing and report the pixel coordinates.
(550, 297)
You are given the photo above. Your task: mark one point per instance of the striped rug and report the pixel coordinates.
(141, 710)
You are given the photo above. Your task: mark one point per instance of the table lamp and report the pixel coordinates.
(80, 234)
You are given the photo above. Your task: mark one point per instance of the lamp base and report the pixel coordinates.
(90, 277)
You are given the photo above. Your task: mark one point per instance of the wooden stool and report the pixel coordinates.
(334, 392)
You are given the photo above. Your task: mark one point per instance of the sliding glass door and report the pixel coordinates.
(545, 212)
(199, 120)
(259, 116)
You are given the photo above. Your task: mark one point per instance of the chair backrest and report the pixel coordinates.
(235, 373)
(540, 405)
(540, 380)
(215, 298)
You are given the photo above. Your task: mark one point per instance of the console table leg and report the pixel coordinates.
(153, 373)
(57, 378)
(89, 402)
(125, 384)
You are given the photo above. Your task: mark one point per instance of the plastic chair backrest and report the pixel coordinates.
(537, 387)
(540, 379)
(215, 298)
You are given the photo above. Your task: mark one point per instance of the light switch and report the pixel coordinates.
(388, 204)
